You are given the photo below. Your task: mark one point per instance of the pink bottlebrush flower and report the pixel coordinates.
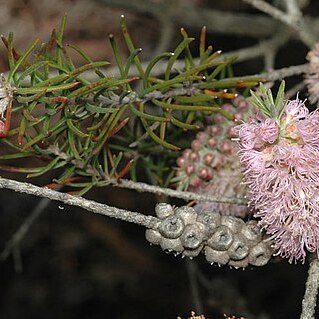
(296, 109)
(268, 131)
(308, 129)
(282, 176)
(312, 76)
(249, 136)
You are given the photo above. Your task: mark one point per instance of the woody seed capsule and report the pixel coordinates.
(171, 227)
(221, 239)
(163, 210)
(192, 236)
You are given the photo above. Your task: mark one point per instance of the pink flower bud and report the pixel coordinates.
(196, 145)
(227, 107)
(208, 158)
(225, 147)
(181, 162)
(201, 136)
(212, 142)
(205, 173)
(190, 169)
(194, 182)
(193, 156)
(214, 129)
(232, 132)
(186, 153)
(219, 118)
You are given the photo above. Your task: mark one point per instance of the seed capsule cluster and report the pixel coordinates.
(225, 240)
(211, 165)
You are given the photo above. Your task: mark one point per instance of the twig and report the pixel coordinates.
(193, 282)
(222, 22)
(293, 19)
(295, 89)
(270, 48)
(18, 266)
(218, 21)
(143, 187)
(167, 31)
(292, 7)
(271, 75)
(89, 205)
(275, 75)
(92, 206)
(270, 10)
(24, 228)
(312, 285)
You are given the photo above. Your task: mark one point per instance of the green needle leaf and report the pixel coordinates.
(130, 45)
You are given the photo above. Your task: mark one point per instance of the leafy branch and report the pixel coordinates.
(93, 129)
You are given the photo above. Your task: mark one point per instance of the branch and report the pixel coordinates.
(295, 89)
(194, 287)
(25, 226)
(294, 18)
(177, 194)
(89, 205)
(221, 22)
(98, 208)
(143, 187)
(218, 21)
(270, 10)
(292, 7)
(280, 73)
(312, 286)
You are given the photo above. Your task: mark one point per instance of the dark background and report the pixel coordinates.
(74, 264)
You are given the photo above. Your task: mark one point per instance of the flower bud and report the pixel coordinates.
(190, 169)
(196, 145)
(193, 157)
(208, 158)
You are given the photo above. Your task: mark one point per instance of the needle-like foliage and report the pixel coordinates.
(96, 129)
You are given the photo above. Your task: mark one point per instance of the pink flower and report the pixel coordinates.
(268, 131)
(296, 109)
(308, 128)
(249, 136)
(282, 176)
